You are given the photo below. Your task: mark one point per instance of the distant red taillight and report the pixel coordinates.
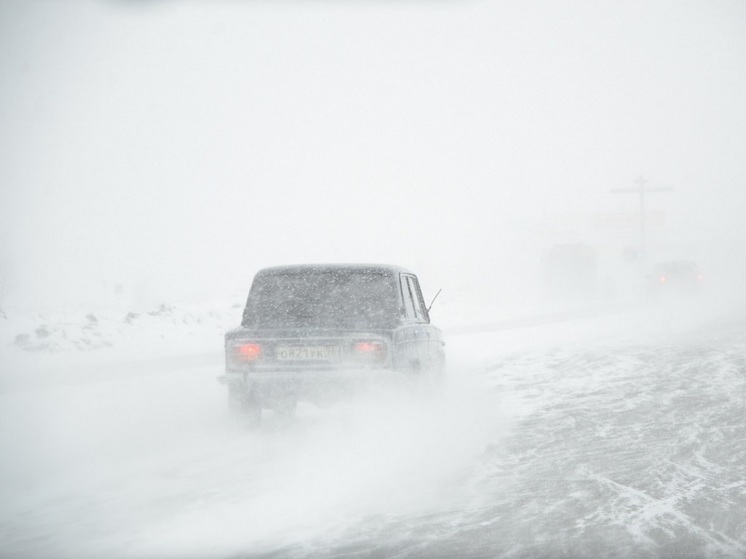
(249, 352)
(370, 351)
(662, 279)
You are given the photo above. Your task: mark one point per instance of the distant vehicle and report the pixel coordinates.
(675, 277)
(320, 332)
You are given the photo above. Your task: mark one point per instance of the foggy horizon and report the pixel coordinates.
(174, 148)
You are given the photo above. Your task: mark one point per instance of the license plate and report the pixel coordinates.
(308, 353)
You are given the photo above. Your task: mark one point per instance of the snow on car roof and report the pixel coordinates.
(388, 268)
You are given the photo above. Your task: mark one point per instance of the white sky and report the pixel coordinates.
(177, 147)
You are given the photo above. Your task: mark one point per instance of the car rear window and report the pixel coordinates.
(322, 298)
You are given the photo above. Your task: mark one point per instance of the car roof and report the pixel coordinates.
(385, 268)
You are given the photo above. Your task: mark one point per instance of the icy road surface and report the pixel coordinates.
(622, 436)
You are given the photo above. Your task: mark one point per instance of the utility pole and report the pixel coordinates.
(641, 190)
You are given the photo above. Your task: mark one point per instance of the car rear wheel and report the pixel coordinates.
(245, 406)
(286, 406)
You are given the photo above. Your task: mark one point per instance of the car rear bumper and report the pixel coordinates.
(312, 385)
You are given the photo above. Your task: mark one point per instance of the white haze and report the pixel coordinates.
(173, 148)
(154, 154)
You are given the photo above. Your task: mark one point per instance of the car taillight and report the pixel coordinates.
(248, 352)
(370, 351)
(663, 279)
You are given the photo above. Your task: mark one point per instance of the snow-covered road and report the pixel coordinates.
(617, 436)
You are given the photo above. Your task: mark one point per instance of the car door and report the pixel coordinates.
(434, 359)
(416, 334)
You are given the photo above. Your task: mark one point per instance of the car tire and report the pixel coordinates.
(286, 407)
(246, 407)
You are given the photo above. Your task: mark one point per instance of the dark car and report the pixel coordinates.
(320, 332)
(675, 278)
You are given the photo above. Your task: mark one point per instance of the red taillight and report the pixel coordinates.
(248, 352)
(699, 277)
(370, 351)
(662, 279)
